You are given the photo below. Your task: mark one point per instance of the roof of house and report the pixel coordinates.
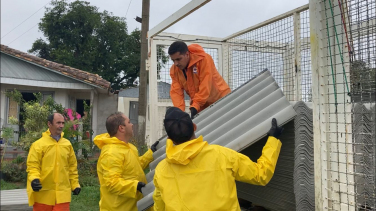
(71, 72)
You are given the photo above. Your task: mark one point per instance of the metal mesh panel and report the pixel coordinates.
(305, 58)
(270, 47)
(350, 113)
(361, 37)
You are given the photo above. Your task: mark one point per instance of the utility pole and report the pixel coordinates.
(142, 100)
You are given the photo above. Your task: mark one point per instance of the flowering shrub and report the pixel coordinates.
(35, 115)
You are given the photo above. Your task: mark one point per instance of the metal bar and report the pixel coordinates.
(277, 18)
(318, 87)
(153, 92)
(177, 16)
(297, 58)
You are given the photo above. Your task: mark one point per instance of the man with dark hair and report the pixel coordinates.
(194, 72)
(119, 168)
(198, 176)
(52, 169)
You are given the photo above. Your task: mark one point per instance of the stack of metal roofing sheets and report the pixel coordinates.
(236, 121)
(304, 179)
(292, 186)
(365, 154)
(278, 194)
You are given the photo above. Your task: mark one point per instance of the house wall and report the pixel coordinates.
(123, 106)
(106, 105)
(124, 103)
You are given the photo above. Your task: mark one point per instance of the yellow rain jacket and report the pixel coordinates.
(119, 171)
(198, 176)
(54, 164)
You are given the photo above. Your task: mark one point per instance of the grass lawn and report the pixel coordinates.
(88, 199)
(10, 186)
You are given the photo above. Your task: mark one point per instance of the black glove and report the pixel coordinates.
(76, 191)
(154, 146)
(35, 185)
(193, 112)
(275, 131)
(140, 185)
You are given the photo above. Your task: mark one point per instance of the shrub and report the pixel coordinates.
(13, 172)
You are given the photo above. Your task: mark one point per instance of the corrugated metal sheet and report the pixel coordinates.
(364, 130)
(292, 186)
(236, 121)
(14, 200)
(304, 181)
(16, 68)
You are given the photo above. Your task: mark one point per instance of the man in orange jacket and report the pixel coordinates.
(194, 71)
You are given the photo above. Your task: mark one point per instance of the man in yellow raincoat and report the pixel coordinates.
(120, 169)
(198, 176)
(52, 169)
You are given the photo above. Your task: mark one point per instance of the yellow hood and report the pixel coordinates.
(185, 152)
(103, 139)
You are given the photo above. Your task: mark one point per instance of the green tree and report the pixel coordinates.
(80, 36)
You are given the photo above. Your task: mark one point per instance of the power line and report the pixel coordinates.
(24, 21)
(23, 33)
(128, 8)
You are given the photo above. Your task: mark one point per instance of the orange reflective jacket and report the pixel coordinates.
(204, 84)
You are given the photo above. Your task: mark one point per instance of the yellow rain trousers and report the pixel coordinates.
(54, 164)
(119, 171)
(197, 176)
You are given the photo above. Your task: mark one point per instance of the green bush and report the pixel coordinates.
(87, 167)
(19, 160)
(13, 172)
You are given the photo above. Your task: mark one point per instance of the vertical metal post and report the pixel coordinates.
(287, 57)
(319, 100)
(297, 58)
(225, 62)
(341, 129)
(153, 92)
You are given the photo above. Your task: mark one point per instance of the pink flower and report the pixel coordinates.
(70, 113)
(78, 116)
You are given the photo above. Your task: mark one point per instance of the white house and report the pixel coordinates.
(68, 86)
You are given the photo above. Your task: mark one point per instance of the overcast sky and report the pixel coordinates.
(218, 18)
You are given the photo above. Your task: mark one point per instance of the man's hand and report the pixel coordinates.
(154, 146)
(275, 131)
(35, 185)
(76, 191)
(140, 185)
(193, 112)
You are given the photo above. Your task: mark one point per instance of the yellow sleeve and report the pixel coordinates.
(34, 160)
(260, 173)
(176, 91)
(157, 198)
(112, 165)
(73, 173)
(146, 158)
